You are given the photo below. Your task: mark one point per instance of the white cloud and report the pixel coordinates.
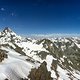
(13, 14)
(2, 9)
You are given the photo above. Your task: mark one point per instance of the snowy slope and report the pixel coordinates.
(62, 56)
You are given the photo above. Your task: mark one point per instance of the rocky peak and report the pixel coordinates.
(8, 35)
(8, 32)
(7, 29)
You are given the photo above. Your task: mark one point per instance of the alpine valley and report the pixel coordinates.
(24, 58)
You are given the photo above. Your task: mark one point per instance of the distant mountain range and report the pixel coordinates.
(54, 35)
(46, 58)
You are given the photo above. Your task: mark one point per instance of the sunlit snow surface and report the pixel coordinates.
(16, 66)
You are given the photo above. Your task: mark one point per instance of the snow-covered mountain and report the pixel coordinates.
(42, 59)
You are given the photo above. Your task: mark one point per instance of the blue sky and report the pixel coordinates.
(40, 16)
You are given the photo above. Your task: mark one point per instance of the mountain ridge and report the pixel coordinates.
(48, 58)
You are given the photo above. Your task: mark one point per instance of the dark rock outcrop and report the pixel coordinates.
(41, 73)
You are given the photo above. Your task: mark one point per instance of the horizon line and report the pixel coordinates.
(53, 35)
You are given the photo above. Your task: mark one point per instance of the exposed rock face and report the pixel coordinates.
(60, 57)
(41, 73)
(3, 55)
(7, 29)
(23, 79)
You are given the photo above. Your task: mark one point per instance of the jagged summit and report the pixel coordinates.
(7, 29)
(8, 35)
(38, 59)
(8, 32)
